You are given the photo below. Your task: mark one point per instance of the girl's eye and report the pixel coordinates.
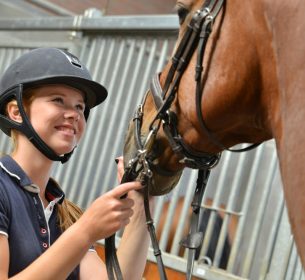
(58, 100)
(182, 13)
(80, 108)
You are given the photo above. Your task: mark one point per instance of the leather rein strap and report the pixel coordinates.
(196, 36)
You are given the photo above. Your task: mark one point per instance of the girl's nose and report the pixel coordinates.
(72, 113)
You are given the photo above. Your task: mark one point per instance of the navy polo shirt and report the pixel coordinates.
(30, 228)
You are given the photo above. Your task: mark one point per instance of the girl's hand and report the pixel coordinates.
(109, 213)
(135, 195)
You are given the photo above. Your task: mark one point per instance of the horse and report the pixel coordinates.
(250, 81)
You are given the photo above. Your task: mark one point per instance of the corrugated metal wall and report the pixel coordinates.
(244, 205)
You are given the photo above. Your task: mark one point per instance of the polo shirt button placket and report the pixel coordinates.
(44, 235)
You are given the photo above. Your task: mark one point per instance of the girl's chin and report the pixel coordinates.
(67, 150)
(62, 146)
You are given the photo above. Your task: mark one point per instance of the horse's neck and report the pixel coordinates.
(286, 22)
(287, 25)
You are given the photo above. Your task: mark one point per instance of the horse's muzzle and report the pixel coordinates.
(162, 181)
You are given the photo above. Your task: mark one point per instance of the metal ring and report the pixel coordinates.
(205, 260)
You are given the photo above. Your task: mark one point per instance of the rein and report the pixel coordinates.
(137, 167)
(141, 166)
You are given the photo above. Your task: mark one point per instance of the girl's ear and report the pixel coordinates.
(13, 111)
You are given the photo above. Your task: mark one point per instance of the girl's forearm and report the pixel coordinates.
(133, 248)
(60, 259)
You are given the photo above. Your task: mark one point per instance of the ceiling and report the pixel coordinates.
(38, 8)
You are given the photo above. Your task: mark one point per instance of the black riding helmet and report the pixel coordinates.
(45, 66)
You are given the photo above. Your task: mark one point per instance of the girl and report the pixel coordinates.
(45, 99)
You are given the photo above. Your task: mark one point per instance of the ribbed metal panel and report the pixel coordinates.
(244, 188)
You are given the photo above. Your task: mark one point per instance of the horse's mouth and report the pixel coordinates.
(163, 180)
(161, 184)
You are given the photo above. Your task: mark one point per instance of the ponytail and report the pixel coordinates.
(68, 214)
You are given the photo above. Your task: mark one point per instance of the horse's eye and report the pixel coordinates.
(182, 13)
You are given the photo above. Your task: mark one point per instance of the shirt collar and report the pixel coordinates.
(11, 167)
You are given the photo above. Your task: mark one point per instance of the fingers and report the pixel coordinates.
(109, 212)
(123, 189)
(127, 204)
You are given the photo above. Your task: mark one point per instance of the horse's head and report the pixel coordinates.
(210, 96)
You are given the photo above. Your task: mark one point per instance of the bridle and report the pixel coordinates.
(141, 166)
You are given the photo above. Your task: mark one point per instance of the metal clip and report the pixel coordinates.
(209, 21)
(206, 11)
(138, 114)
(150, 139)
(140, 109)
(131, 163)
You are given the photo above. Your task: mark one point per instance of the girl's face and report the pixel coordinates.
(56, 112)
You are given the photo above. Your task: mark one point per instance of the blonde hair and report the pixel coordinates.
(68, 212)
(26, 102)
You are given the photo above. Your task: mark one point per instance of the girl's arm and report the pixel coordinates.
(4, 257)
(133, 248)
(106, 215)
(92, 267)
